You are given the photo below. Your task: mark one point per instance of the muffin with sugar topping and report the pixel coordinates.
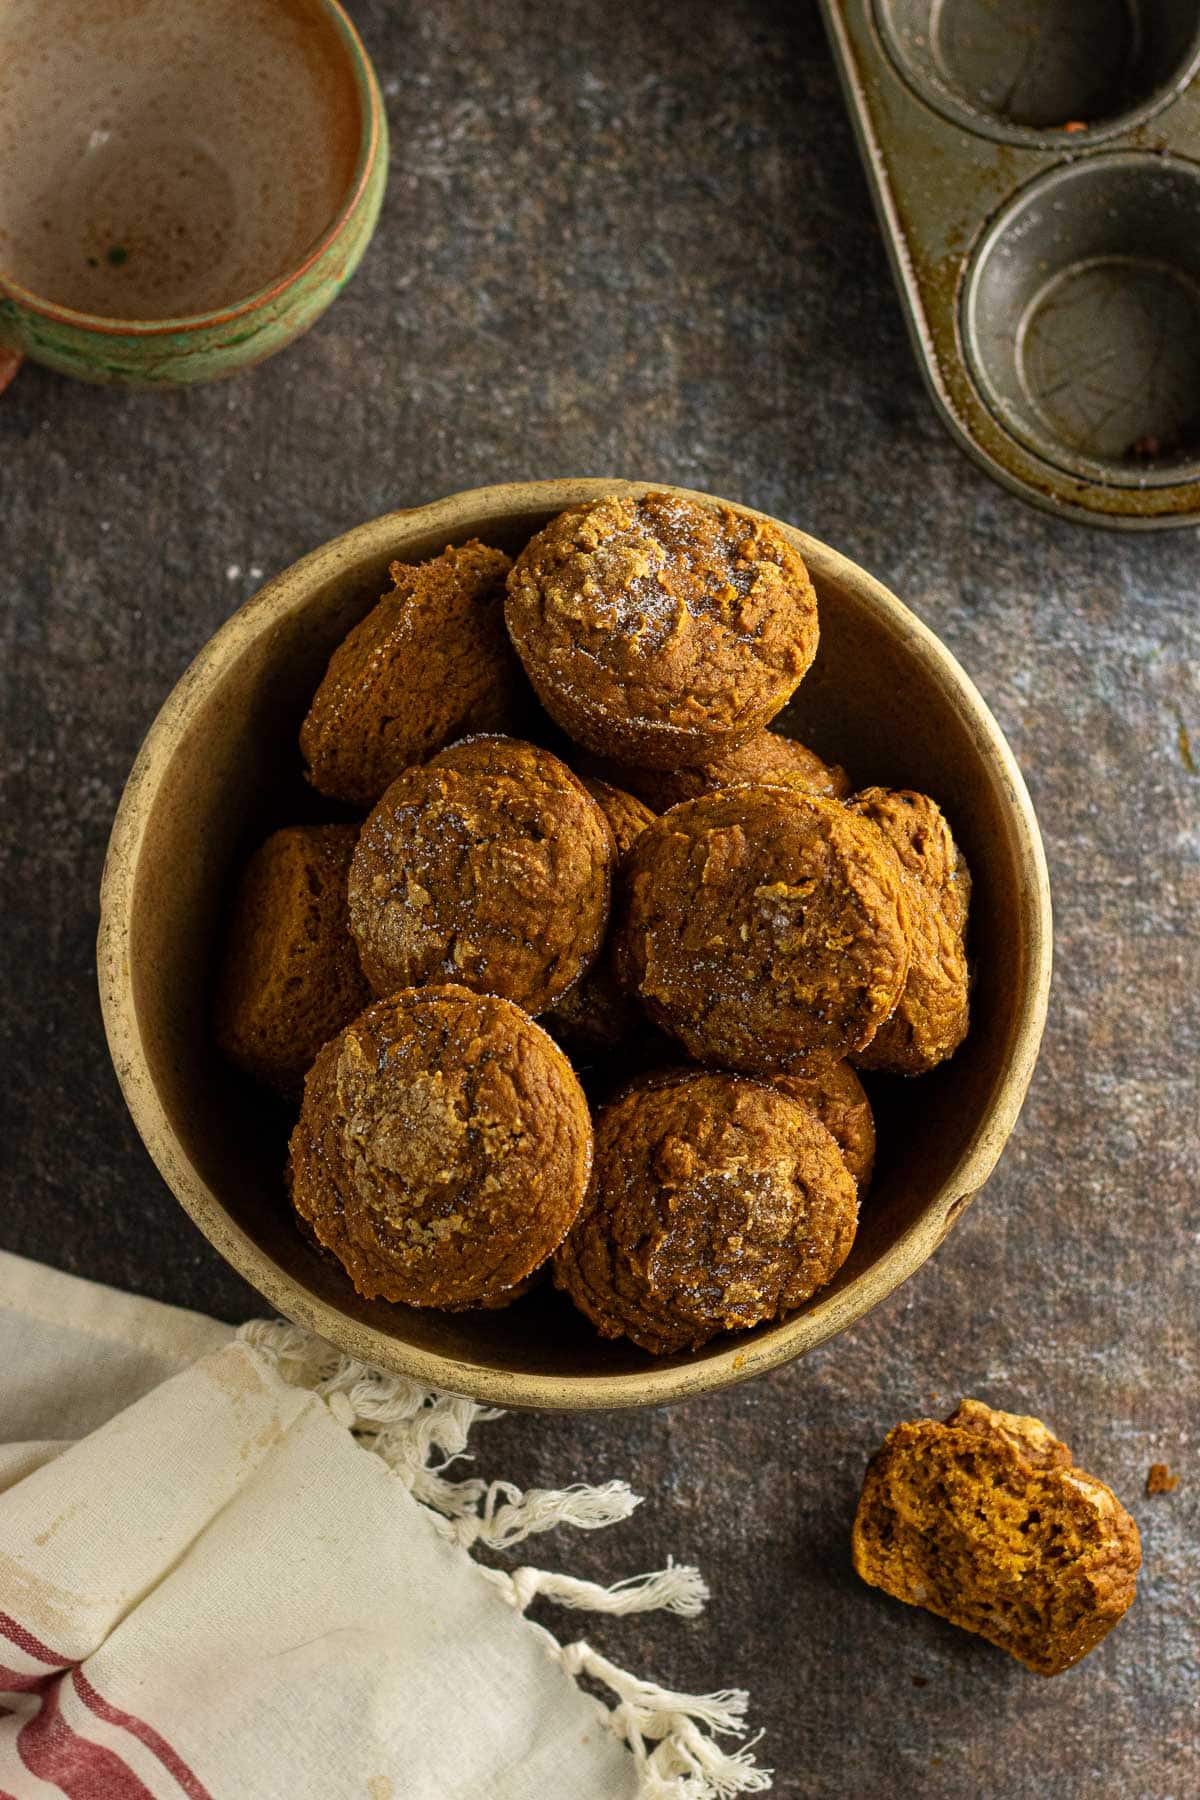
(761, 925)
(659, 630)
(715, 1204)
(442, 1150)
(491, 866)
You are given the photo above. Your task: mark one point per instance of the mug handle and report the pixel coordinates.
(10, 362)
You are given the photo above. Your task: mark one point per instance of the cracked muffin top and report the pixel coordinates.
(715, 1203)
(490, 865)
(760, 925)
(442, 1150)
(661, 631)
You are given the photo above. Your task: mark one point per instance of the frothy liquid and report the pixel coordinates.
(166, 157)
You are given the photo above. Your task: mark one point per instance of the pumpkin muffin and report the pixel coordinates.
(596, 1014)
(930, 1021)
(290, 977)
(760, 925)
(984, 1521)
(442, 1150)
(661, 631)
(767, 756)
(627, 816)
(430, 663)
(715, 1203)
(496, 1303)
(833, 1091)
(490, 865)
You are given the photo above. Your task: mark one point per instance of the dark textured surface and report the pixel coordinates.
(634, 239)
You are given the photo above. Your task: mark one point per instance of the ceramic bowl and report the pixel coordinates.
(185, 185)
(220, 767)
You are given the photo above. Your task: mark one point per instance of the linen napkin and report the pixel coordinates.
(233, 1566)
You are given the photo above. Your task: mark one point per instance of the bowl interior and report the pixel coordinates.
(221, 768)
(162, 161)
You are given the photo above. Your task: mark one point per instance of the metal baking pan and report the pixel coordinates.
(1032, 163)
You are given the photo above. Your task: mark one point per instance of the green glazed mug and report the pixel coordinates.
(185, 185)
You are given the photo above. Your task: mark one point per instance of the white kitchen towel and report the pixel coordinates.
(233, 1566)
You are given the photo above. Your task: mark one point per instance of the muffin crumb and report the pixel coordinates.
(1159, 1479)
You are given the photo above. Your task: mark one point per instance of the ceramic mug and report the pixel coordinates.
(185, 185)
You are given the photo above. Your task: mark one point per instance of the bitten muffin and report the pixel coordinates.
(442, 1150)
(290, 977)
(833, 1091)
(984, 1521)
(715, 1203)
(490, 865)
(760, 925)
(597, 1013)
(661, 631)
(431, 662)
(767, 756)
(931, 1018)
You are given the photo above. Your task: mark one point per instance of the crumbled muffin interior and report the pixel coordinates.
(984, 1522)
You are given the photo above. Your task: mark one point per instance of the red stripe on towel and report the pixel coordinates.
(13, 1683)
(49, 1720)
(192, 1786)
(25, 1640)
(84, 1771)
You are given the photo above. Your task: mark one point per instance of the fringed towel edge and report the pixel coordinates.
(419, 1433)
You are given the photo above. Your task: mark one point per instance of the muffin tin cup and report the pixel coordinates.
(1023, 71)
(1036, 168)
(1081, 318)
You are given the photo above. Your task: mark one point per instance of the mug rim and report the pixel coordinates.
(371, 104)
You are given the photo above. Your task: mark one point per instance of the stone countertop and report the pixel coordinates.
(635, 240)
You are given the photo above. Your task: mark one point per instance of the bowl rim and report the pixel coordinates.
(370, 136)
(373, 542)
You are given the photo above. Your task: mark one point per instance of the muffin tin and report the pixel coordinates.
(1032, 165)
